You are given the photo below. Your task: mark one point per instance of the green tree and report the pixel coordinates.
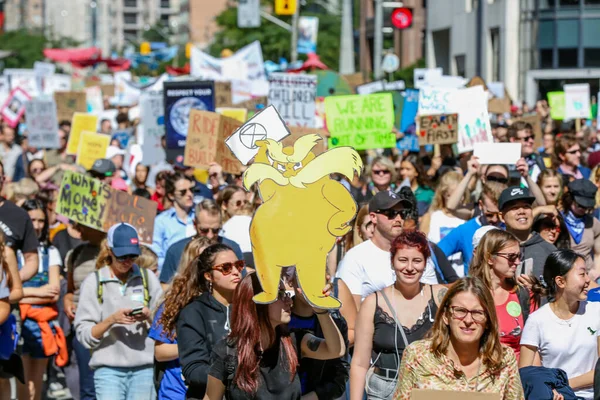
(159, 32)
(275, 41)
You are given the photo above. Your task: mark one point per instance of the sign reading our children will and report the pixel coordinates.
(362, 122)
(96, 205)
(293, 95)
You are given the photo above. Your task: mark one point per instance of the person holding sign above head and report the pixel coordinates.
(463, 352)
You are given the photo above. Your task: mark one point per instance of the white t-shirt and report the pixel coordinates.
(53, 258)
(572, 348)
(237, 229)
(366, 269)
(439, 226)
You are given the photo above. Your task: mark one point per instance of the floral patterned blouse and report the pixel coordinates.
(421, 369)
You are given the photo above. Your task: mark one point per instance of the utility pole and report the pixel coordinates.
(378, 39)
(295, 34)
(346, 40)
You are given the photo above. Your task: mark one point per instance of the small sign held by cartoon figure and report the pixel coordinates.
(303, 210)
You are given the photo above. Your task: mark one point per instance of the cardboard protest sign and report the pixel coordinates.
(108, 90)
(497, 153)
(81, 122)
(438, 129)
(42, 124)
(293, 96)
(69, 103)
(409, 108)
(473, 119)
(57, 83)
(94, 204)
(296, 132)
(556, 101)
(206, 141)
(253, 104)
(267, 124)
(92, 146)
(421, 394)
(362, 122)
(179, 99)
(239, 114)
(577, 101)
(153, 121)
(14, 107)
(223, 96)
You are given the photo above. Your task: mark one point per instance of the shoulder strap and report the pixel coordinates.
(99, 287)
(524, 301)
(144, 273)
(398, 325)
(435, 263)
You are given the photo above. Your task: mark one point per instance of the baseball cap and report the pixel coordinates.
(123, 240)
(480, 233)
(178, 163)
(512, 194)
(112, 151)
(584, 192)
(103, 167)
(385, 200)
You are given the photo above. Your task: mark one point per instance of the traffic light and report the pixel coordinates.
(188, 50)
(145, 48)
(286, 7)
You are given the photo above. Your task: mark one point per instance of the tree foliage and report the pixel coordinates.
(28, 47)
(276, 41)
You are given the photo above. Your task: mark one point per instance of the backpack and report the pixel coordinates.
(100, 287)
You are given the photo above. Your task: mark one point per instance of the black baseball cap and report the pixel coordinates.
(513, 194)
(584, 192)
(387, 199)
(103, 167)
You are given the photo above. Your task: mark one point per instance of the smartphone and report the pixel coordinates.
(136, 311)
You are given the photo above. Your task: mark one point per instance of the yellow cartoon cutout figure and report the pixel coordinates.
(302, 214)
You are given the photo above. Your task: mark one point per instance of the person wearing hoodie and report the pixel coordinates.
(515, 204)
(113, 317)
(205, 320)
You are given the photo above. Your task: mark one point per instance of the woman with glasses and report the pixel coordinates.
(565, 332)
(197, 311)
(462, 351)
(113, 317)
(552, 229)
(495, 262)
(231, 201)
(259, 358)
(392, 318)
(381, 175)
(567, 158)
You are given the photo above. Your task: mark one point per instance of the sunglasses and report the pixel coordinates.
(498, 179)
(574, 151)
(227, 268)
(588, 210)
(550, 225)
(527, 138)
(127, 257)
(240, 203)
(510, 257)
(381, 172)
(392, 214)
(183, 192)
(283, 295)
(204, 231)
(461, 313)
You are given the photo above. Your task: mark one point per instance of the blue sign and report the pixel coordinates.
(410, 108)
(180, 98)
(408, 142)
(308, 29)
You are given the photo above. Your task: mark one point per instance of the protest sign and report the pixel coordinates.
(42, 124)
(371, 87)
(363, 122)
(23, 78)
(239, 114)
(153, 121)
(473, 118)
(421, 76)
(94, 204)
(179, 99)
(69, 103)
(297, 132)
(57, 83)
(438, 129)
(14, 107)
(205, 141)
(94, 101)
(293, 96)
(409, 108)
(307, 34)
(421, 394)
(253, 104)
(408, 142)
(354, 80)
(107, 90)
(398, 100)
(577, 101)
(205, 66)
(436, 100)
(81, 122)
(223, 97)
(497, 153)
(266, 124)
(556, 101)
(92, 146)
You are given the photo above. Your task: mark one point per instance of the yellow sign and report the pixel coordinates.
(286, 7)
(239, 114)
(145, 48)
(81, 122)
(92, 146)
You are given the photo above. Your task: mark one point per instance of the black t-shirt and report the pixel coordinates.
(274, 380)
(17, 228)
(64, 243)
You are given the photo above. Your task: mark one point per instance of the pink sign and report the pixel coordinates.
(14, 107)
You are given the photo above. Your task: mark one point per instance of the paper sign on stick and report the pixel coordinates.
(267, 124)
(556, 101)
(239, 114)
(473, 118)
(577, 101)
(94, 204)
(438, 129)
(371, 87)
(92, 146)
(497, 153)
(293, 96)
(153, 121)
(68, 103)
(81, 122)
(14, 107)
(42, 124)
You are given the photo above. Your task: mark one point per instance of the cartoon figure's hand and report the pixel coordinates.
(338, 229)
(261, 143)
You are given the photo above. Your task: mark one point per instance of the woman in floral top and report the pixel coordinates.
(463, 352)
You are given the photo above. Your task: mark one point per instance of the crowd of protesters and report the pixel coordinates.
(457, 275)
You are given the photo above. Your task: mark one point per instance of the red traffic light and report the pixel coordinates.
(402, 18)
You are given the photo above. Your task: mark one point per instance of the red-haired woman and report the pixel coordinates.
(391, 319)
(259, 358)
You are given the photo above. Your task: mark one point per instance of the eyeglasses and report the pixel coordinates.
(574, 151)
(227, 268)
(461, 313)
(204, 231)
(510, 257)
(240, 203)
(392, 214)
(183, 192)
(498, 179)
(380, 172)
(587, 210)
(527, 138)
(283, 295)
(127, 257)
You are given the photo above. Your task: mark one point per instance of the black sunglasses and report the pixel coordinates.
(496, 179)
(574, 151)
(526, 138)
(204, 231)
(126, 257)
(182, 192)
(392, 214)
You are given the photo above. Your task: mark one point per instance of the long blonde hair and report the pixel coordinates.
(104, 256)
(448, 179)
(492, 242)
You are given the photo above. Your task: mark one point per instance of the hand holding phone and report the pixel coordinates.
(136, 311)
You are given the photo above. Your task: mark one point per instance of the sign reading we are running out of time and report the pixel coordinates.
(438, 129)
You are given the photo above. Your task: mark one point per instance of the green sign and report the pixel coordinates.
(363, 122)
(556, 101)
(84, 200)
